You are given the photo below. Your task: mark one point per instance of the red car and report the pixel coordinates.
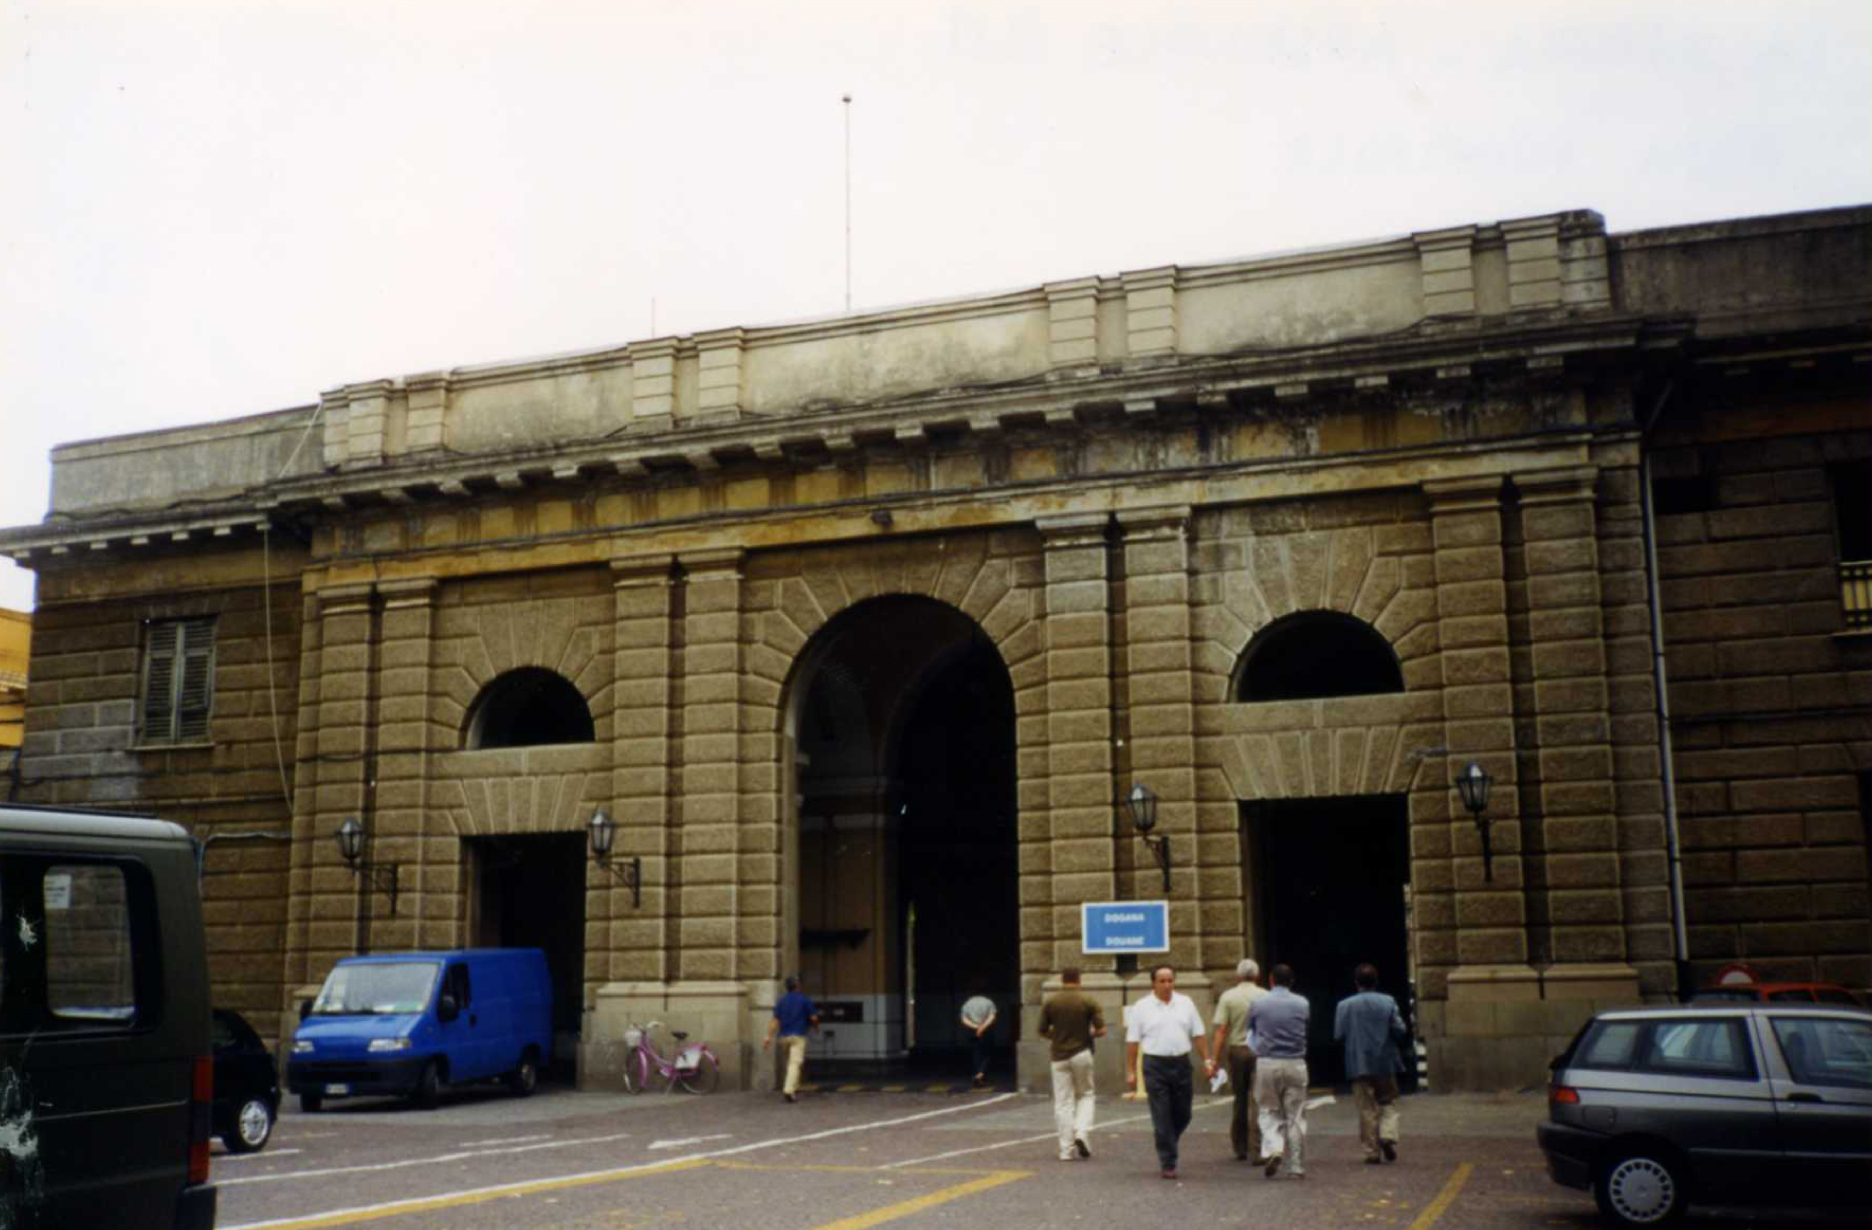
(1740, 984)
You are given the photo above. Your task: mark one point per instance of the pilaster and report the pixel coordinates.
(341, 903)
(707, 851)
(1478, 711)
(1568, 798)
(428, 862)
(626, 942)
(1074, 841)
(1158, 731)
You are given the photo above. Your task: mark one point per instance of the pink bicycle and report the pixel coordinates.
(693, 1067)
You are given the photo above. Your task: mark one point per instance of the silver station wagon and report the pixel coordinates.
(1655, 1109)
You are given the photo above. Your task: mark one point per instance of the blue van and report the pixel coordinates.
(405, 1024)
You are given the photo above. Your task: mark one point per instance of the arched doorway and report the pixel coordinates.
(905, 862)
(1331, 874)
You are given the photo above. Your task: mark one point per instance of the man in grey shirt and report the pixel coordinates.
(1277, 1029)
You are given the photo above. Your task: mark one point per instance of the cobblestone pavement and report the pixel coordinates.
(583, 1161)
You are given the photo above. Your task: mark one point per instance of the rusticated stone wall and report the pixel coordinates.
(1771, 698)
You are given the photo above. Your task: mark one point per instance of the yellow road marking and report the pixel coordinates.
(891, 1212)
(1444, 1199)
(850, 1088)
(348, 1217)
(892, 1089)
(786, 1167)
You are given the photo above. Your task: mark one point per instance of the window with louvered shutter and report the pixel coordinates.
(178, 680)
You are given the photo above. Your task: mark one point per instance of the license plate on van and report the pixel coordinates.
(337, 1091)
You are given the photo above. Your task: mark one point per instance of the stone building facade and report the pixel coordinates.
(859, 628)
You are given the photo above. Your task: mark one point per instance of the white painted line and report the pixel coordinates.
(255, 1157)
(690, 1140)
(509, 1140)
(407, 1162)
(617, 1173)
(1028, 1140)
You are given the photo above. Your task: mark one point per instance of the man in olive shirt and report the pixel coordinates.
(1070, 1020)
(1231, 1046)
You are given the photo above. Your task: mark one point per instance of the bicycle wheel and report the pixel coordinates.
(636, 1072)
(703, 1078)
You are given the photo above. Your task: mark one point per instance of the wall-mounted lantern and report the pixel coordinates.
(602, 830)
(1473, 784)
(381, 876)
(1141, 803)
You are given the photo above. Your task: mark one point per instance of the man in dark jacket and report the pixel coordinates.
(1372, 1028)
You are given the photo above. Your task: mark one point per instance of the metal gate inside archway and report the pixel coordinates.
(905, 863)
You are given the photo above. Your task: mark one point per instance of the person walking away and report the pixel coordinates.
(978, 1016)
(1231, 1048)
(1277, 1028)
(1069, 1020)
(1164, 1025)
(1372, 1028)
(793, 1015)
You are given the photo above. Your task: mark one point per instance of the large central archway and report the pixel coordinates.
(905, 861)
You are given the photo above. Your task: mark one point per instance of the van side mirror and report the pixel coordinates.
(305, 1009)
(447, 1009)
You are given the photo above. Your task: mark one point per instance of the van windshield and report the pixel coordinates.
(383, 989)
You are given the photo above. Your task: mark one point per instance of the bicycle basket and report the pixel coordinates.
(633, 1036)
(689, 1060)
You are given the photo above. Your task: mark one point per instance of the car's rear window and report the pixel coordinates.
(1610, 1045)
(1793, 995)
(77, 944)
(1705, 1046)
(1833, 995)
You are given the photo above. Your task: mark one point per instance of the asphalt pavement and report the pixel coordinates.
(565, 1160)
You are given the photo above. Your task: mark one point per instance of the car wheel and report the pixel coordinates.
(525, 1078)
(310, 1103)
(1643, 1188)
(428, 1090)
(250, 1128)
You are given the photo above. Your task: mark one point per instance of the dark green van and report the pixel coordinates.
(106, 1075)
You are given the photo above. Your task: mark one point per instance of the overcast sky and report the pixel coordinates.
(212, 208)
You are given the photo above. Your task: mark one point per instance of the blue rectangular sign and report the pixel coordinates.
(1125, 926)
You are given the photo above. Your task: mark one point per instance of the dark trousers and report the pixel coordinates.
(980, 1046)
(1244, 1123)
(1172, 1094)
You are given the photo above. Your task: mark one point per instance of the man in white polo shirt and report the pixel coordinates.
(1164, 1026)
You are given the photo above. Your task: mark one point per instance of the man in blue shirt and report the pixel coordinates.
(1277, 1029)
(1371, 1027)
(792, 1017)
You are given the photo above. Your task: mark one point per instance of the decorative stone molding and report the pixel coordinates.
(1072, 325)
(653, 380)
(1150, 316)
(719, 374)
(1447, 260)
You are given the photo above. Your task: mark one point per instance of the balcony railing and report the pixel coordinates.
(1856, 592)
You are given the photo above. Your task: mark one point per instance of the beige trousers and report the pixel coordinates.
(1377, 1111)
(1072, 1100)
(1280, 1093)
(794, 1047)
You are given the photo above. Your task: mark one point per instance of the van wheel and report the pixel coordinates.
(525, 1078)
(428, 1090)
(250, 1128)
(1642, 1188)
(311, 1103)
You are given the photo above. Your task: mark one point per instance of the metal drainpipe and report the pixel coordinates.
(1680, 935)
